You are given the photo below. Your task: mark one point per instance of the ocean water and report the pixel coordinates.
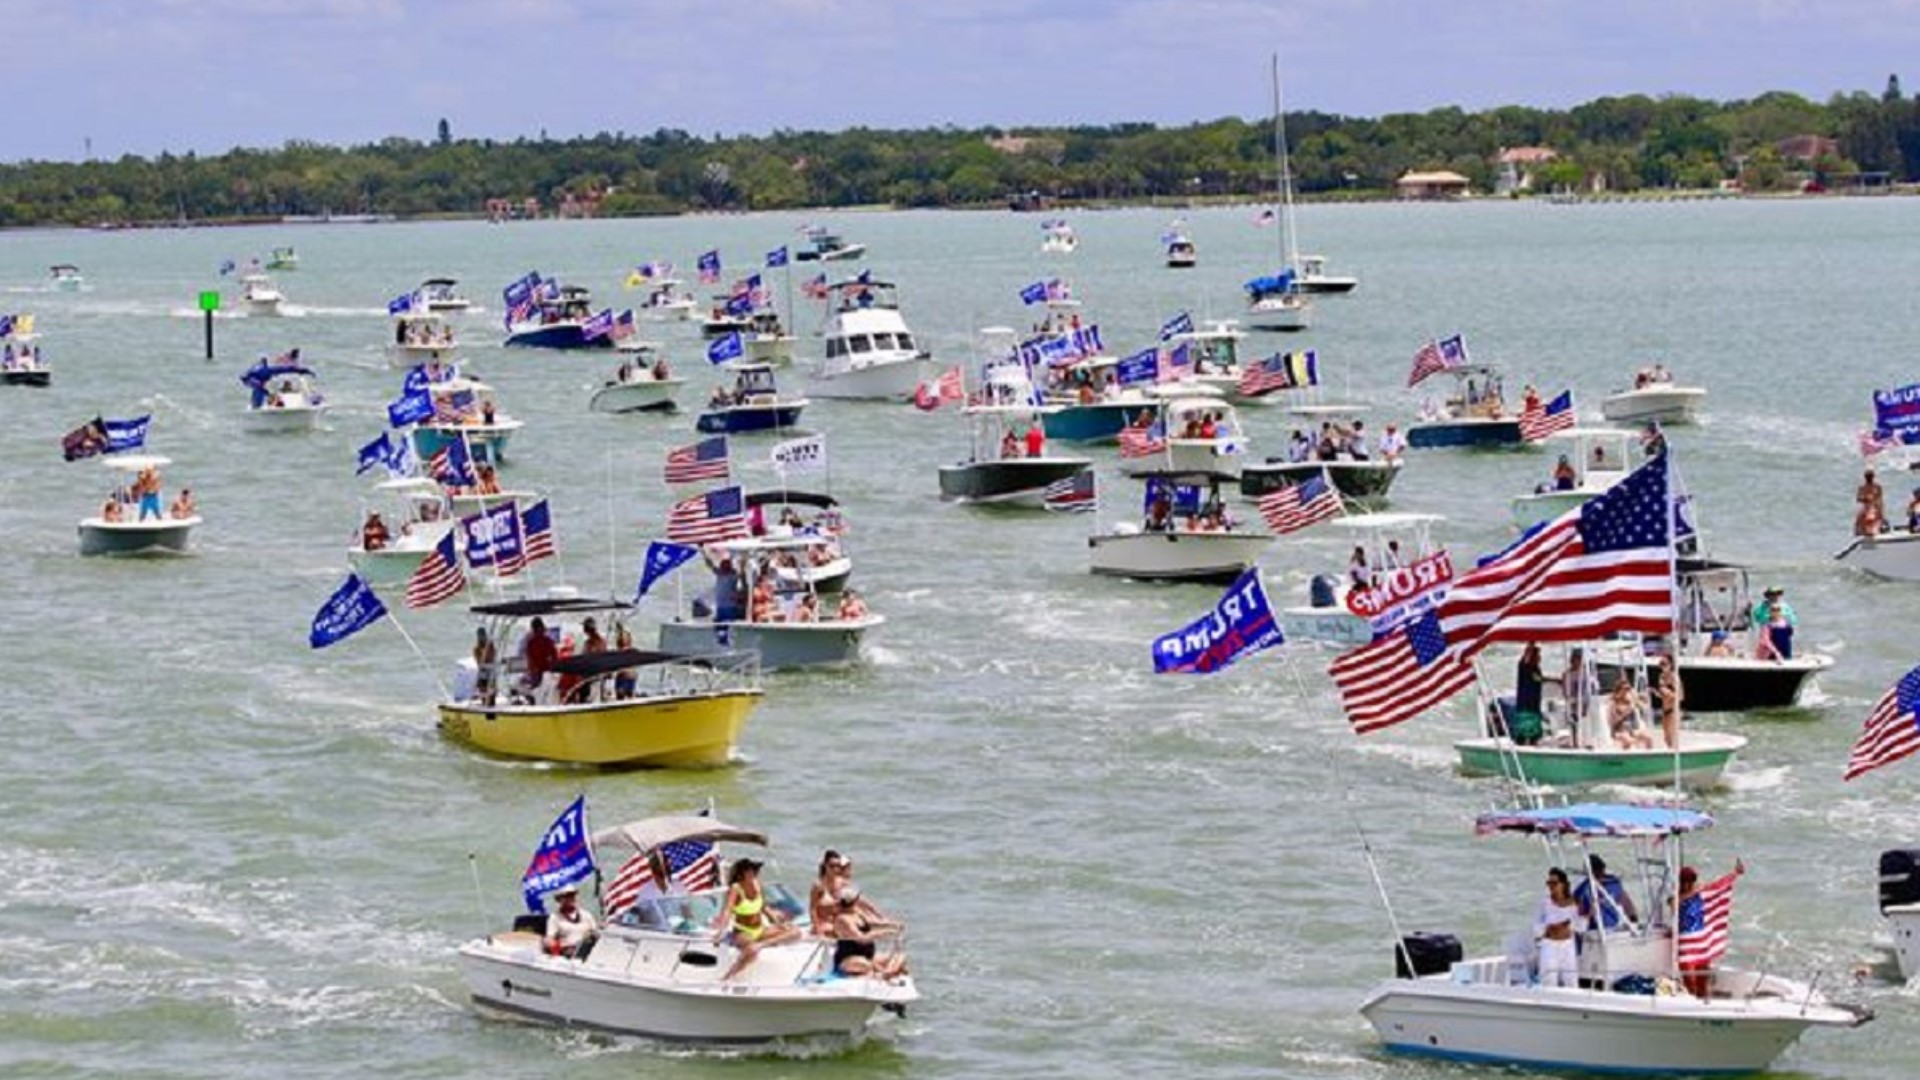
(230, 853)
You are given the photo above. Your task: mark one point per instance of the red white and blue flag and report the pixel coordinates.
(536, 532)
(1399, 676)
(709, 267)
(1537, 421)
(815, 287)
(1706, 923)
(698, 462)
(494, 539)
(1299, 505)
(1136, 442)
(717, 515)
(1073, 495)
(693, 865)
(1892, 730)
(1437, 356)
(438, 579)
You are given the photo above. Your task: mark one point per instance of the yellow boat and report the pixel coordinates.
(617, 707)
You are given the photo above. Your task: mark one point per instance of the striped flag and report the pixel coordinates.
(1281, 371)
(1143, 441)
(1294, 508)
(536, 532)
(720, 514)
(693, 865)
(701, 461)
(1073, 495)
(1876, 442)
(1399, 676)
(815, 287)
(1892, 730)
(1604, 567)
(1706, 923)
(438, 579)
(1428, 361)
(1537, 423)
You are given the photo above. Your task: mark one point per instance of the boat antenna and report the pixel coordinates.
(613, 535)
(479, 901)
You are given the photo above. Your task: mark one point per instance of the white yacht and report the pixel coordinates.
(870, 352)
(421, 337)
(1654, 398)
(260, 295)
(442, 294)
(119, 528)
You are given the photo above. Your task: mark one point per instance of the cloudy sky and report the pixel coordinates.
(140, 76)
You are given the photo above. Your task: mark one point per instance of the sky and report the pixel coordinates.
(143, 76)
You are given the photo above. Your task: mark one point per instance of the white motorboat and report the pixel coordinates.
(422, 337)
(1199, 432)
(824, 246)
(1363, 480)
(1401, 572)
(1900, 906)
(776, 612)
(1310, 276)
(642, 383)
(1633, 1010)
(1058, 239)
(1002, 423)
(260, 295)
(1272, 304)
(1598, 459)
(755, 403)
(1473, 415)
(655, 971)
(668, 301)
(410, 515)
(1654, 399)
(1186, 535)
(823, 564)
(283, 258)
(120, 528)
(442, 294)
(1893, 555)
(66, 278)
(467, 410)
(1181, 253)
(23, 364)
(1213, 358)
(766, 339)
(283, 398)
(870, 352)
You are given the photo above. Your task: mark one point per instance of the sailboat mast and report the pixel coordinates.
(1289, 258)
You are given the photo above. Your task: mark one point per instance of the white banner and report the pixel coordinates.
(801, 455)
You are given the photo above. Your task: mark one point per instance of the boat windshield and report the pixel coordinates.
(698, 914)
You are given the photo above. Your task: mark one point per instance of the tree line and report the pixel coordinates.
(1624, 143)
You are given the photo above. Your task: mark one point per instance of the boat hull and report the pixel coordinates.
(1210, 558)
(1587, 1029)
(689, 731)
(1446, 434)
(36, 377)
(656, 396)
(407, 357)
(1903, 922)
(1734, 684)
(1015, 482)
(1325, 286)
(1277, 318)
(1362, 481)
(285, 421)
(1666, 405)
(890, 380)
(1186, 456)
(1327, 625)
(487, 443)
(780, 646)
(1703, 757)
(564, 335)
(1101, 422)
(741, 419)
(154, 536)
(1894, 555)
(523, 985)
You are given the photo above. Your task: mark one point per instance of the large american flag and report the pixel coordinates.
(701, 461)
(1073, 495)
(1299, 505)
(1143, 441)
(1603, 567)
(1265, 376)
(1399, 676)
(1706, 923)
(1538, 422)
(438, 577)
(536, 532)
(1892, 730)
(694, 865)
(1437, 356)
(720, 514)
(815, 287)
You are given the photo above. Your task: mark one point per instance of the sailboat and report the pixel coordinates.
(1274, 301)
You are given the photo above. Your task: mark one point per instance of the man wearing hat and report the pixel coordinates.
(571, 929)
(1776, 617)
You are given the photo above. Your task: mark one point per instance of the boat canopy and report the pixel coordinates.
(1399, 519)
(64, 268)
(442, 281)
(649, 833)
(1594, 819)
(550, 605)
(1269, 284)
(795, 498)
(593, 665)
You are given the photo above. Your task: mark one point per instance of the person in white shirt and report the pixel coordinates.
(1392, 444)
(1555, 927)
(571, 929)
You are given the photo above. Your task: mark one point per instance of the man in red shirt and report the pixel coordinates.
(1036, 441)
(540, 653)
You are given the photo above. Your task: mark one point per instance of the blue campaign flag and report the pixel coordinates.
(1182, 498)
(1241, 623)
(416, 380)
(740, 304)
(1897, 411)
(6, 325)
(663, 558)
(1141, 367)
(731, 347)
(1179, 324)
(411, 407)
(493, 539)
(1453, 350)
(778, 256)
(227, 267)
(598, 326)
(1035, 293)
(563, 857)
(520, 293)
(708, 265)
(124, 435)
(380, 452)
(352, 608)
(864, 277)
(401, 304)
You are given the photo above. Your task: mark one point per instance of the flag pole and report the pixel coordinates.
(424, 662)
(613, 535)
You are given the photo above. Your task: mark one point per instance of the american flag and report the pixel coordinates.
(1294, 508)
(694, 866)
(949, 386)
(1874, 442)
(453, 408)
(1073, 495)
(815, 287)
(623, 325)
(536, 532)
(1537, 422)
(1143, 441)
(1706, 923)
(704, 460)
(438, 579)
(1430, 360)
(720, 514)
(1604, 567)
(452, 465)
(1399, 676)
(1892, 730)
(1266, 376)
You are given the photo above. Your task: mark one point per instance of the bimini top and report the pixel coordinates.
(593, 665)
(551, 605)
(649, 833)
(793, 497)
(1594, 819)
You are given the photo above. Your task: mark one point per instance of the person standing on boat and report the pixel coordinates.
(1556, 928)
(1776, 619)
(1670, 699)
(1871, 519)
(1614, 901)
(1036, 442)
(1528, 723)
(1690, 917)
(1392, 444)
(538, 653)
(571, 929)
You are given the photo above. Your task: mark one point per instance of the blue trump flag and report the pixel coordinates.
(740, 305)
(731, 347)
(663, 558)
(401, 304)
(1035, 293)
(1897, 411)
(1141, 367)
(778, 256)
(1182, 498)
(494, 539)
(124, 435)
(379, 452)
(1241, 623)
(598, 326)
(351, 609)
(412, 407)
(1179, 324)
(563, 857)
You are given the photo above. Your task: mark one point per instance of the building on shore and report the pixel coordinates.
(1438, 185)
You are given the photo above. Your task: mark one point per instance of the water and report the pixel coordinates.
(227, 849)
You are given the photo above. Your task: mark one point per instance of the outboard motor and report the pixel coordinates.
(1322, 590)
(1426, 954)
(1899, 877)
